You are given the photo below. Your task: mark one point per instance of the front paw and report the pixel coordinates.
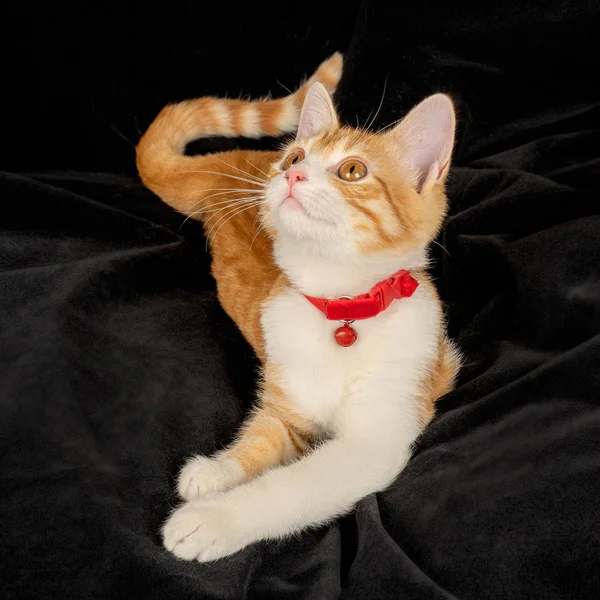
(203, 530)
(203, 475)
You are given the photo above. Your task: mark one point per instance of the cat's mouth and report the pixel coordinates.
(294, 203)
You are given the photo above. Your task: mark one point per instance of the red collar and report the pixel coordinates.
(365, 306)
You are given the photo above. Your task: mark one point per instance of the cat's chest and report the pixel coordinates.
(316, 371)
(297, 332)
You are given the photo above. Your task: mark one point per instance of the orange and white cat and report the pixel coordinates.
(335, 213)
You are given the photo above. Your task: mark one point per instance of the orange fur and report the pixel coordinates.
(215, 188)
(442, 372)
(264, 442)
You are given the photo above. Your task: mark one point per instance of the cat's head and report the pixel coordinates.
(349, 193)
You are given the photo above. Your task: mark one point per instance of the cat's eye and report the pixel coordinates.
(352, 170)
(292, 159)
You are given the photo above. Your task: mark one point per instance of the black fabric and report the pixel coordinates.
(118, 363)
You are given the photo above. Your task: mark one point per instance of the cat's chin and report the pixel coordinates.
(293, 208)
(291, 203)
(297, 223)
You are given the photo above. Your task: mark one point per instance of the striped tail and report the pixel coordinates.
(160, 159)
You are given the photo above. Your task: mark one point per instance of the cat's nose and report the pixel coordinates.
(296, 174)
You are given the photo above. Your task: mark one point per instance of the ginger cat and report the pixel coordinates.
(339, 212)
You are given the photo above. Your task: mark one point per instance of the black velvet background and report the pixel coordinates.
(117, 362)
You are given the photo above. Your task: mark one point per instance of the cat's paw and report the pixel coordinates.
(203, 475)
(202, 530)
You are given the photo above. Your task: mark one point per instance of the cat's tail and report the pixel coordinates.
(160, 159)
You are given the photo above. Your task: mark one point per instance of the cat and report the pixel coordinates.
(338, 213)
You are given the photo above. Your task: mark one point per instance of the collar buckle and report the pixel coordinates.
(346, 321)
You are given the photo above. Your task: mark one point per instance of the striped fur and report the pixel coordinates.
(331, 424)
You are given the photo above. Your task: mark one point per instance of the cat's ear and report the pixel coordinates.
(425, 138)
(318, 113)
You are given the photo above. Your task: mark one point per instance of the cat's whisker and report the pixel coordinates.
(212, 208)
(234, 203)
(366, 128)
(226, 191)
(201, 210)
(442, 247)
(227, 216)
(227, 206)
(284, 87)
(221, 174)
(234, 213)
(254, 177)
(389, 126)
(256, 218)
(364, 132)
(261, 227)
(254, 201)
(232, 198)
(254, 166)
(366, 120)
(231, 211)
(228, 203)
(216, 190)
(380, 105)
(230, 216)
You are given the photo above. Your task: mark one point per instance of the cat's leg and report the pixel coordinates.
(441, 377)
(264, 441)
(376, 427)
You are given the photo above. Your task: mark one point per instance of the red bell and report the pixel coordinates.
(345, 336)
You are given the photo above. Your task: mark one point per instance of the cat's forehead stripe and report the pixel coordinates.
(336, 145)
(334, 139)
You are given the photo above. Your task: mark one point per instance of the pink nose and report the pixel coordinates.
(296, 174)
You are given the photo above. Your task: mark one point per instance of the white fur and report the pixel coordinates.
(288, 121)
(203, 475)
(364, 397)
(223, 117)
(330, 228)
(251, 122)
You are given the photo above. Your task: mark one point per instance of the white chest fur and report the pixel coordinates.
(392, 348)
